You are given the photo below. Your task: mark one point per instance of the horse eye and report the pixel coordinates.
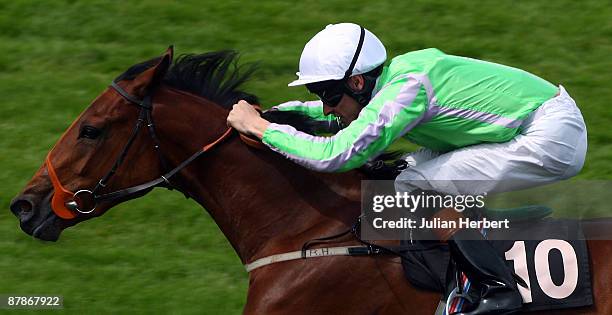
(89, 132)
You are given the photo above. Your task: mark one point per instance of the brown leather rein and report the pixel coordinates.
(68, 205)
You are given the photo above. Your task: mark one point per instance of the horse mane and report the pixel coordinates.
(215, 76)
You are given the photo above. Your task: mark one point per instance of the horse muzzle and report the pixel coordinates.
(36, 217)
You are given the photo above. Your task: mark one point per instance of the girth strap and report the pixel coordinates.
(311, 253)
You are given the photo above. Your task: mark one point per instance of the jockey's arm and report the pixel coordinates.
(392, 112)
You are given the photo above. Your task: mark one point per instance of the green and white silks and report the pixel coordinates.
(439, 101)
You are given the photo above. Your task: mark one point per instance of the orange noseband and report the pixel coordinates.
(61, 195)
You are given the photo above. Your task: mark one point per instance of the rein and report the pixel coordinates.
(68, 205)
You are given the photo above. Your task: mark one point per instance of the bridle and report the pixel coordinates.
(68, 205)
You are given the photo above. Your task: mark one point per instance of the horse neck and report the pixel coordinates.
(263, 203)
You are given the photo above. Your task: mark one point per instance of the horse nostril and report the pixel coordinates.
(21, 206)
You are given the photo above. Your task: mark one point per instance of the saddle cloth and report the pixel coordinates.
(554, 262)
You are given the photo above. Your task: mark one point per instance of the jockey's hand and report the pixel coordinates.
(244, 118)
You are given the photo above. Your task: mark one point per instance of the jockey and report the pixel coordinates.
(475, 120)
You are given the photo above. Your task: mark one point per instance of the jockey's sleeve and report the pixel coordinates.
(314, 110)
(393, 111)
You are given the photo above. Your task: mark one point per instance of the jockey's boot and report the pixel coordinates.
(496, 289)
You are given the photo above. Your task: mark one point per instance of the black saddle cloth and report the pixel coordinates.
(425, 263)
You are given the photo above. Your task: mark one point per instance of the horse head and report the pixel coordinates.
(110, 146)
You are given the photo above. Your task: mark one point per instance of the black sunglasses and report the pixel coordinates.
(330, 92)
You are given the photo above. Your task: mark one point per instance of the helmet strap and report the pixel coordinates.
(349, 71)
(362, 97)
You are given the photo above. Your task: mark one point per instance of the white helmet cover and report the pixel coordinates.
(328, 55)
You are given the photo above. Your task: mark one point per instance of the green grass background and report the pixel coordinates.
(164, 254)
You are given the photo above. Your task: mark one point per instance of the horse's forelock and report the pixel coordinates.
(137, 69)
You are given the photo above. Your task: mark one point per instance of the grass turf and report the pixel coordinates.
(164, 254)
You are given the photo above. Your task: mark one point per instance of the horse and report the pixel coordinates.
(264, 204)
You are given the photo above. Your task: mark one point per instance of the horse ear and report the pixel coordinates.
(151, 77)
(162, 67)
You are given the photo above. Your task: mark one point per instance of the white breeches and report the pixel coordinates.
(551, 146)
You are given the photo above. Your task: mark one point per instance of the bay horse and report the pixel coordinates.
(263, 204)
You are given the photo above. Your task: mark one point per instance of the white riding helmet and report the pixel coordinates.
(328, 55)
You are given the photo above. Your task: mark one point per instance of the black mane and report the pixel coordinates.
(215, 76)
